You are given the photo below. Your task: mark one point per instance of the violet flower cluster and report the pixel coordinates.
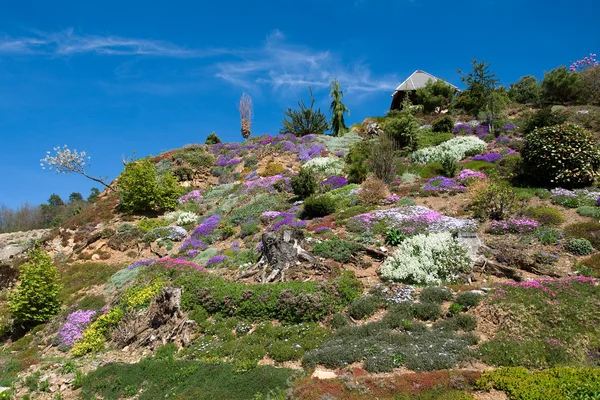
(73, 329)
(266, 183)
(215, 260)
(463, 129)
(141, 263)
(443, 184)
(322, 229)
(392, 199)
(521, 225)
(494, 156)
(412, 220)
(469, 175)
(195, 241)
(192, 197)
(282, 218)
(334, 182)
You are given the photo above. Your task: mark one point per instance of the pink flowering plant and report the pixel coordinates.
(73, 328)
(544, 322)
(441, 184)
(468, 176)
(514, 225)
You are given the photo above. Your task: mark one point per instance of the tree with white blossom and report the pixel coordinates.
(70, 161)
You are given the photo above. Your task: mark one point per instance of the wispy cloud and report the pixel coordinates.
(68, 43)
(284, 66)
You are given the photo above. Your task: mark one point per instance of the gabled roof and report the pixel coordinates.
(417, 80)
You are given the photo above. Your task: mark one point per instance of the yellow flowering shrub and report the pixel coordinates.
(138, 297)
(94, 336)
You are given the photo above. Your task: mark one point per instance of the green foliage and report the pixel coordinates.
(36, 299)
(148, 224)
(318, 206)
(336, 249)
(561, 86)
(427, 311)
(449, 164)
(226, 232)
(565, 155)
(435, 294)
(154, 379)
(480, 85)
(559, 383)
(526, 90)
(213, 138)
(339, 320)
(94, 336)
(542, 118)
(287, 302)
(249, 228)
(194, 155)
(142, 189)
(91, 302)
(357, 168)
(548, 236)
(393, 237)
(428, 138)
(137, 297)
(304, 184)
(589, 211)
(509, 167)
(363, 307)
(402, 128)
(432, 170)
(462, 322)
(305, 121)
(337, 109)
(444, 124)
(254, 209)
(591, 85)
(580, 247)
(77, 276)
(545, 215)
(435, 95)
(468, 299)
(498, 201)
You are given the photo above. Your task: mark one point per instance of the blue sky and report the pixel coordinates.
(115, 77)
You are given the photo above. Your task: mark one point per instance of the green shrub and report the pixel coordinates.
(482, 166)
(304, 184)
(526, 90)
(498, 201)
(36, 299)
(468, 299)
(560, 86)
(432, 170)
(455, 309)
(336, 249)
(318, 206)
(443, 124)
(304, 121)
(402, 129)
(462, 322)
(589, 211)
(196, 156)
(545, 215)
(427, 138)
(436, 94)
(509, 167)
(435, 294)
(148, 224)
(381, 363)
(559, 383)
(357, 168)
(91, 302)
(427, 311)
(213, 138)
(363, 307)
(249, 228)
(272, 169)
(585, 230)
(227, 231)
(427, 259)
(142, 189)
(449, 165)
(254, 209)
(543, 118)
(564, 155)
(580, 247)
(339, 320)
(393, 237)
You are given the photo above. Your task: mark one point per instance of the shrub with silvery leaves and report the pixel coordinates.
(457, 149)
(428, 259)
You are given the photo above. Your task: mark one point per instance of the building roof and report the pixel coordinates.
(417, 80)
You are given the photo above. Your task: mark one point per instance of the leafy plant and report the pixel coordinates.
(393, 237)
(305, 121)
(526, 90)
(468, 299)
(435, 95)
(384, 158)
(318, 206)
(336, 249)
(580, 247)
(402, 129)
(36, 299)
(304, 184)
(357, 168)
(435, 294)
(560, 86)
(497, 201)
(427, 311)
(444, 124)
(545, 215)
(363, 307)
(373, 191)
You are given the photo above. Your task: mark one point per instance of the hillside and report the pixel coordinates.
(318, 267)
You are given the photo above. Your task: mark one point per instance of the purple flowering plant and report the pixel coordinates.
(442, 184)
(462, 129)
(515, 225)
(73, 329)
(333, 182)
(215, 260)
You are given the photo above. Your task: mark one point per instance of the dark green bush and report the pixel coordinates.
(380, 363)
(318, 206)
(434, 294)
(542, 118)
(443, 124)
(427, 138)
(545, 215)
(560, 86)
(436, 94)
(402, 129)
(213, 138)
(393, 237)
(526, 90)
(585, 230)
(339, 320)
(142, 189)
(462, 322)
(455, 309)
(564, 155)
(363, 307)
(196, 156)
(398, 315)
(482, 166)
(580, 247)
(427, 311)
(432, 170)
(357, 166)
(468, 299)
(336, 249)
(509, 167)
(304, 184)
(304, 121)
(36, 299)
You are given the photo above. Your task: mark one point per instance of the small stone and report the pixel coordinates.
(320, 374)
(95, 257)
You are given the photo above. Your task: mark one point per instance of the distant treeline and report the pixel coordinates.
(48, 215)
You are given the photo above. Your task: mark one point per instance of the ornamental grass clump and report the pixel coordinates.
(565, 155)
(428, 259)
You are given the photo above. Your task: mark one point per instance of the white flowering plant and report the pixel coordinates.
(457, 148)
(428, 259)
(326, 165)
(181, 217)
(67, 161)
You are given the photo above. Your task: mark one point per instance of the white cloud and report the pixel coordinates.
(67, 43)
(285, 66)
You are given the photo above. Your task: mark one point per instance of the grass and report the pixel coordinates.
(78, 276)
(153, 379)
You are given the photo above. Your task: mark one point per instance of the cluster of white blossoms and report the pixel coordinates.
(65, 160)
(457, 148)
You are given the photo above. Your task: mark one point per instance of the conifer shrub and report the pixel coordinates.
(318, 206)
(443, 124)
(304, 184)
(363, 307)
(213, 138)
(357, 168)
(580, 247)
(402, 129)
(36, 299)
(336, 249)
(545, 215)
(565, 155)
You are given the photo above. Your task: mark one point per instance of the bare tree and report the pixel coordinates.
(246, 114)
